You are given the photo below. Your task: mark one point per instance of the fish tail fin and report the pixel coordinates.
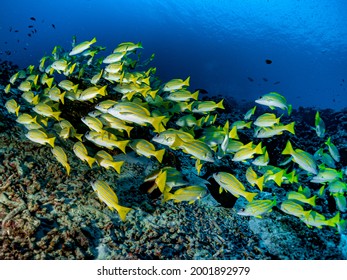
(61, 97)
(250, 196)
(317, 118)
(189, 106)
(312, 201)
(288, 150)
(128, 129)
(200, 121)
(248, 124)
(102, 91)
(258, 149)
(220, 104)
(117, 165)
(74, 88)
(50, 141)
(35, 120)
(156, 121)
(49, 82)
(68, 168)
(79, 136)
(146, 81)
(93, 41)
(198, 166)
(35, 100)
(122, 145)
(328, 142)
(186, 82)
(195, 95)
(56, 115)
(159, 155)
(122, 212)
(290, 127)
(290, 109)
(160, 181)
(233, 133)
(278, 178)
(260, 183)
(72, 68)
(90, 161)
(153, 93)
(17, 110)
(334, 220)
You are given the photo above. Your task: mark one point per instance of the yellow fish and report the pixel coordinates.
(108, 196)
(82, 47)
(82, 153)
(61, 156)
(12, 107)
(38, 136)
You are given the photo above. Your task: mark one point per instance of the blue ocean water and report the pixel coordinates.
(222, 44)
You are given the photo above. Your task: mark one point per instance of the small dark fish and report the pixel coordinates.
(343, 80)
(32, 31)
(265, 80)
(30, 26)
(268, 61)
(10, 29)
(16, 31)
(32, 18)
(29, 34)
(250, 79)
(25, 49)
(17, 41)
(8, 52)
(5, 42)
(53, 25)
(276, 83)
(202, 91)
(35, 30)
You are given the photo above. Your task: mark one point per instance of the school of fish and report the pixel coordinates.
(124, 99)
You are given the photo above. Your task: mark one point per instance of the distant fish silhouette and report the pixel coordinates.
(18, 41)
(276, 83)
(16, 31)
(35, 30)
(8, 52)
(32, 18)
(25, 49)
(250, 79)
(268, 61)
(30, 26)
(10, 28)
(32, 31)
(29, 34)
(265, 80)
(53, 25)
